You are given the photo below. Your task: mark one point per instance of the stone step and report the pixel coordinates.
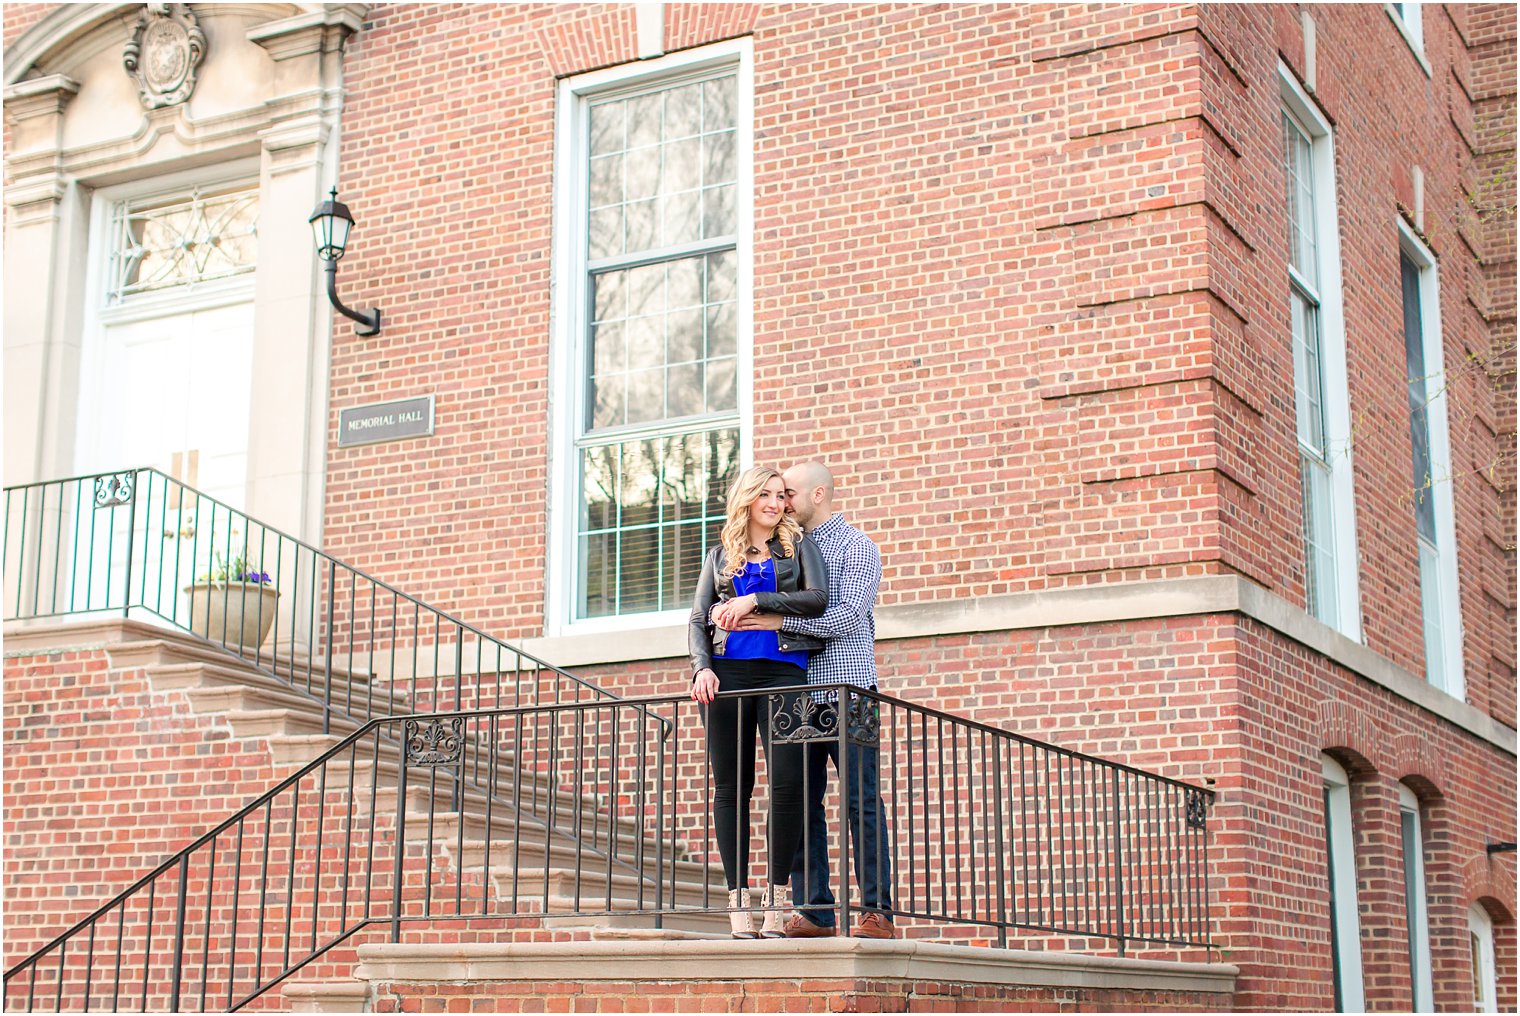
(530, 852)
(593, 891)
(173, 647)
(326, 996)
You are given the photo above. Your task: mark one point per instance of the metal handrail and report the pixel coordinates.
(979, 827)
(142, 569)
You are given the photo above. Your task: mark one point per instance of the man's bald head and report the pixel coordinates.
(809, 493)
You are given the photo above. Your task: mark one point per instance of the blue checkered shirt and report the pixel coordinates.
(847, 626)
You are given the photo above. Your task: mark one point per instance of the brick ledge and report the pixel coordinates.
(724, 960)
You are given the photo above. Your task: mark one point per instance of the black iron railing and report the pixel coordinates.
(521, 813)
(140, 543)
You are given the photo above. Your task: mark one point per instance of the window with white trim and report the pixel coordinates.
(1480, 938)
(1411, 21)
(654, 383)
(1416, 911)
(1434, 511)
(1322, 415)
(1345, 930)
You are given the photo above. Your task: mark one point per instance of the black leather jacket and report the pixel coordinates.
(802, 590)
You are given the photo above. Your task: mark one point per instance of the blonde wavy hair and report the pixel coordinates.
(735, 536)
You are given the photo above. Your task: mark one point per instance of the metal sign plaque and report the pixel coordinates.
(385, 421)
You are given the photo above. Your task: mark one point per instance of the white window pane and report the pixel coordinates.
(718, 158)
(644, 115)
(722, 393)
(611, 296)
(646, 290)
(679, 219)
(684, 278)
(722, 330)
(1319, 540)
(683, 390)
(718, 217)
(606, 181)
(643, 173)
(641, 224)
(608, 348)
(608, 401)
(646, 342)
(607, 232)
(683, 335)
(719, 109)
(607, 128)
(683, 112)
(683, 166)
(722, 277)
(646, 395)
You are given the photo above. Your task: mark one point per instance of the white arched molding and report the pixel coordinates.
(1345, 929)
(268, 94)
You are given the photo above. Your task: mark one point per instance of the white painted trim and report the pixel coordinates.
(1481, 926)
(1419, 926)
(1441, 469)
(566, 358)
(1342, 846)
(650, 20)
(1413, 33)
(1335, 393)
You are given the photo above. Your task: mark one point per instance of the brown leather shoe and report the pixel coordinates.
(874, 925)
(801, 927)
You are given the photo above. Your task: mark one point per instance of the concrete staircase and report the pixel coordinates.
(574, 889)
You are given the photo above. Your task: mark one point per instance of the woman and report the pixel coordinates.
(762, 563)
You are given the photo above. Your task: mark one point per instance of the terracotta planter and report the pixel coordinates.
(237, 614)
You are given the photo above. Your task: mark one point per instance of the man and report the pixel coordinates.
(848, 657)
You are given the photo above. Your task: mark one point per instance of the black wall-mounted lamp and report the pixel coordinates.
(330, 224)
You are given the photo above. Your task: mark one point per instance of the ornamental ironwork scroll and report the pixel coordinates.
(802, 719)
(1197, 809)
(113, 489)
(862, 720)
(434, 743)
(166, 47)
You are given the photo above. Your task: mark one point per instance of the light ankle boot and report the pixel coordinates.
(740, 917)
(774, 925)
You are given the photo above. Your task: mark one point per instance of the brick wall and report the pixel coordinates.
(104, 779)
(965, 284)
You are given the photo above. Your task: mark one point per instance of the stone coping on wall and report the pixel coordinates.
(789, 959)
(1104, 604)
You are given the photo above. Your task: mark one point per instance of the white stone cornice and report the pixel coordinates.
(835, 959)
(39, 96)
(317, 31)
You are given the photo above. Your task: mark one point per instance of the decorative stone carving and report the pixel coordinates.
(166, 47)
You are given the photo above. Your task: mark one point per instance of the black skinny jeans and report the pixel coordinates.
(732, 724)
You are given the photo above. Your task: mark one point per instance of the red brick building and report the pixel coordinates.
(1167, 353)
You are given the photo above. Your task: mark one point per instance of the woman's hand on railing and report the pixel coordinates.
(728, 614)
(704, 686)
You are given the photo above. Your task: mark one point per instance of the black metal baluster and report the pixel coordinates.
(89, 966)
(148, 944)
(517, 828)
(74, 551)
(290, 878)
(237, 891)
(316, 878)
(397, 880)
(493, 776)
(258, 959)
(332, 600)
(179, 932)
(206, 938)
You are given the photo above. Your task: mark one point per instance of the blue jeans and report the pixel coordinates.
(870, 844)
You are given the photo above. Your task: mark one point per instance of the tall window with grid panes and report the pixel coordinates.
(1308, 372)
(657, 429)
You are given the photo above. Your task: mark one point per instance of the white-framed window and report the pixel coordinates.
(651, 369)
(1480, 938)
(1434, 510)
(1416, 912)
(1317, 325)
(1409, 18)
(1345, 929)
